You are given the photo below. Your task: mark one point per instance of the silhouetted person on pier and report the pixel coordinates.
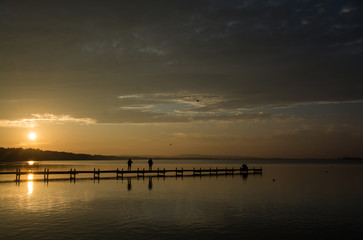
(244, 167)
(129, 163)
(150, 162)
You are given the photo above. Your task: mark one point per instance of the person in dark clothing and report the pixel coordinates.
(244, 167)
(150, 162)
(129, 163)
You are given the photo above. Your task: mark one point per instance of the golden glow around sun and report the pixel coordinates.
(32, 136)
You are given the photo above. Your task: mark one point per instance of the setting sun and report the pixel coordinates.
(32, 136)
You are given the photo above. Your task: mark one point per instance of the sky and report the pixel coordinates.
(268, 78)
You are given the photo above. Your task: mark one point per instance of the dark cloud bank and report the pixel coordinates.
(81, 56)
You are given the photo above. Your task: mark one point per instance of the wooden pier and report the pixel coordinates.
(72, 173)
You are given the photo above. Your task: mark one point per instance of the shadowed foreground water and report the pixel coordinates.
(306, 201)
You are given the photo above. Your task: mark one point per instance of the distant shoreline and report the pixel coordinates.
(20, 154)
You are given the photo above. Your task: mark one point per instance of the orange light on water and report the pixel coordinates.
(30, 188)
(30, 183)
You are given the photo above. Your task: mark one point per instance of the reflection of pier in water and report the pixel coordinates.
(120, 174)
(31, 180)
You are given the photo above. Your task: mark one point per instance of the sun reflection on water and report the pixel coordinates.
(30, 183)
(30, 162)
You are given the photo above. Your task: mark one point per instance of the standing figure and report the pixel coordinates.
(150, 162)
(129, 162)
(244, 167)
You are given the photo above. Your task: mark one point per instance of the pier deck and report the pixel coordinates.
(139, 172)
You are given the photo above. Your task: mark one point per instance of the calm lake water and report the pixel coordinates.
(307, 200)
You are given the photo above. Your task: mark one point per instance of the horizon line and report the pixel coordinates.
(200, 156)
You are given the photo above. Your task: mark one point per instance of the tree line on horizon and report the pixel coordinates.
(20, 154)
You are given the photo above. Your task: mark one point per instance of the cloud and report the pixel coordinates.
(153, 51)
(354, 42)
(182, 97)
(138, 107)
(348, 9)
(169, 103)
(46, 117)
(130, 96)
(188, 107)
(27, 123)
